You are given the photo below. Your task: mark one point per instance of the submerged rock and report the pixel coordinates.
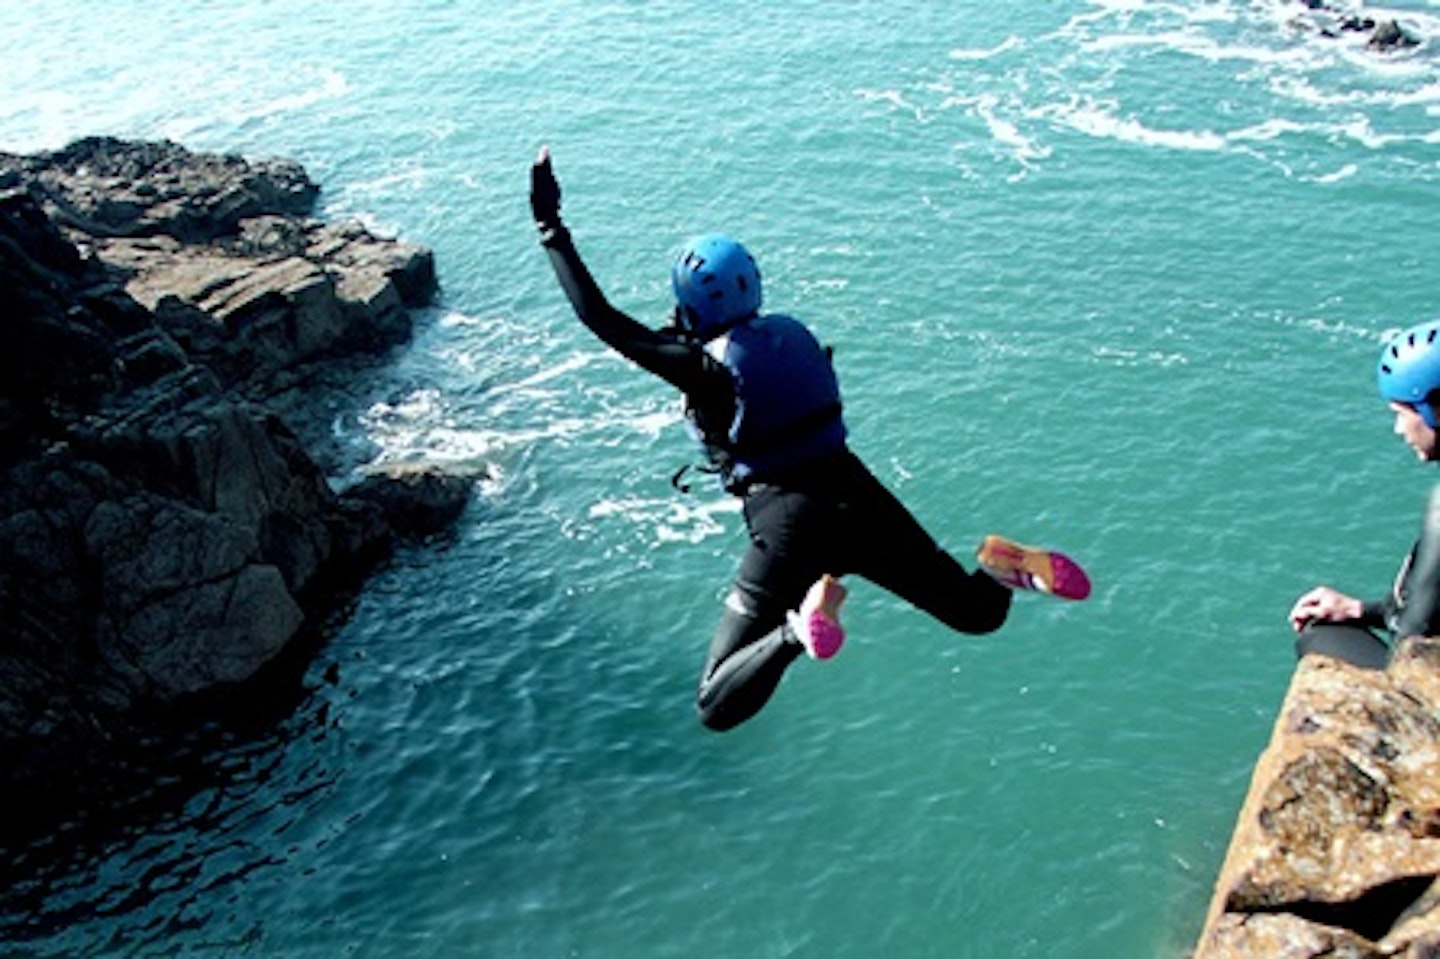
(163, 534)
(1390, 35)
(418, 499)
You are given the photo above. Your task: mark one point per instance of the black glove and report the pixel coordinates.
(544, 192)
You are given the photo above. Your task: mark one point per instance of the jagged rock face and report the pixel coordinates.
(160, 532)
(105, 187)
(155, 532)
(222, 251)
(1337, 848)
(58, 318)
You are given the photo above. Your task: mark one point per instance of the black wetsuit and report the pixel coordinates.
(1412, 607)
(829, 515)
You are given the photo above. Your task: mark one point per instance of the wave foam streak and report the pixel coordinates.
(1138, 74)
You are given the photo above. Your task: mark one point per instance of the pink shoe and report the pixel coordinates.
(817, 625)
(1026, 567)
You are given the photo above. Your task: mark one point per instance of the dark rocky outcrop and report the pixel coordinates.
(1389, 35)
(223, 253)
(162, 531)
(418, 500)
(1329, 20)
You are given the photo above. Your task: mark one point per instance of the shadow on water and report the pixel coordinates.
(153, 792)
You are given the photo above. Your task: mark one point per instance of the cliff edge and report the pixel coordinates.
(1336, 850)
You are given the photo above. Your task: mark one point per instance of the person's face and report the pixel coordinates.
(1410, 426)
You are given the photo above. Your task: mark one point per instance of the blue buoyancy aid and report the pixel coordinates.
(787, 401)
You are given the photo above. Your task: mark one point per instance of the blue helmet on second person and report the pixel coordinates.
(1409, 369)
(717, 285)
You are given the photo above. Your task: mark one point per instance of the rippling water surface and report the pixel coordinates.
(1110, 275)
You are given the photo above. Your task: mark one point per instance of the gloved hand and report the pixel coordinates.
(544, 192)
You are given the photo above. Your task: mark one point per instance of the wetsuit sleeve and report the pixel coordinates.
(1377, 612)
(681, 363)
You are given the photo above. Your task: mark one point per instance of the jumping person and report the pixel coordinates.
(762, 399)
(1332, 623)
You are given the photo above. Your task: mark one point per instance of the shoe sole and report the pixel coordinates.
(1047, 571)
(827, 635)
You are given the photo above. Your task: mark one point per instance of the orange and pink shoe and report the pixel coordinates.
(1026, 567)
(817, 624)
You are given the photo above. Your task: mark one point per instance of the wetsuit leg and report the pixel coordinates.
(752, 647)
(886, 544)
(846, 521)
(1353, 644)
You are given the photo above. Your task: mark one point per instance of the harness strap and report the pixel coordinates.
(676, 479)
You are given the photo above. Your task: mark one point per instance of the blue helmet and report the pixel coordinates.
(1409, 370)
(717, 285)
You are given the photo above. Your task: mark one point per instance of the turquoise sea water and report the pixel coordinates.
(1109, 275)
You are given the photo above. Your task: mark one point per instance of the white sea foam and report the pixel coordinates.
(1008, 44)
(1271, 129)
(1102, 119)
(1006, 132)
(1119, 356)
(668, 519)
(565, 367)
(317, 86)
(423, 426)
(1344, 173)
(896, 100)
(1343, 328)
(482, 449)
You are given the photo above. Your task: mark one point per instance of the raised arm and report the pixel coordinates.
(677, 361)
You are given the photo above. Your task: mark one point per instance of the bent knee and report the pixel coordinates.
(716, 718)
(980, 618)
(1351, 644)
(991, 623)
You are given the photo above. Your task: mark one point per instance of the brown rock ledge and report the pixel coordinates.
(1337, 848)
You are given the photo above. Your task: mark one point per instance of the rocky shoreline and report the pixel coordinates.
(164, 535)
